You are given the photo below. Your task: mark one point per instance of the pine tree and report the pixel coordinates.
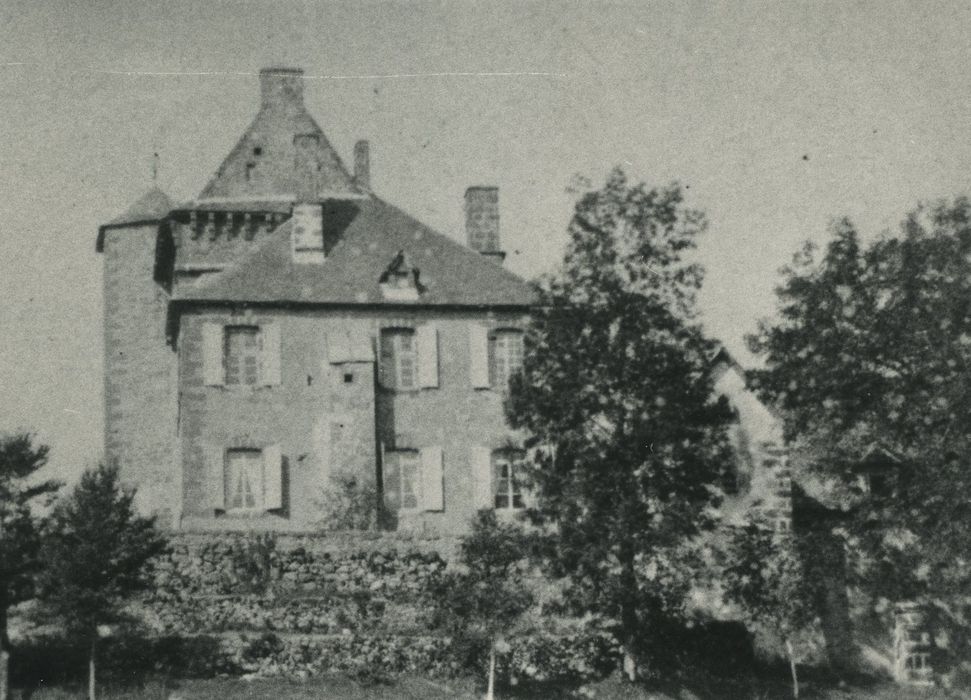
(616, 390)
(20, 460)
(97, 554)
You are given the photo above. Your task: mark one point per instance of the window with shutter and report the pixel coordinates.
(505, 356)
(399, 359)
(432, 479)
(244, 480)
(427, 338)
(478, 356)
(241, 355)
(405, 465)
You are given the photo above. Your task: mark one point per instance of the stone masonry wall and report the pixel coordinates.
(454, 415)
(140, 403)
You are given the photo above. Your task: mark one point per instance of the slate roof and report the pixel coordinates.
(364, 237)
(151, 207)
(282, 152)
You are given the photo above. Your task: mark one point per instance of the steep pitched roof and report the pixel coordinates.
(366, 239)
(151, 207)
(283, 152)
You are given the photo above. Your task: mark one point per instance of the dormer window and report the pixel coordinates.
(400, 280)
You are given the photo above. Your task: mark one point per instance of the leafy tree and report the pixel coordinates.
(20, 460)
(869, 352)
(484, 595)
(765, 578)
(97, 554)
(617, 392)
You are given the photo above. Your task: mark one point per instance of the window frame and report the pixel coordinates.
(511, 459)
(242, 328)
(258, 489)
(494, 337)
(411, 459)
(391, 364)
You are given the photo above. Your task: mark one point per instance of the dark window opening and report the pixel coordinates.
(348, 378)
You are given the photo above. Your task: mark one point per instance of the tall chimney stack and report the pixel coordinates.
(482, 221)
(281, 87)
(362, 165)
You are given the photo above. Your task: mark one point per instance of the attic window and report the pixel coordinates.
(307, 237)
(400, 280)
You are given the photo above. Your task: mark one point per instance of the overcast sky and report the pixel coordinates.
(777, 116)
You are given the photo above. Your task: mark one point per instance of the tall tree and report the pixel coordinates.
(20, 494)
(870, 350)
(616, 389)
(97, 554)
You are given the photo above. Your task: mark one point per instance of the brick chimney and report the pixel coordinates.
(362, 165)
(482, 221)
(281, 87)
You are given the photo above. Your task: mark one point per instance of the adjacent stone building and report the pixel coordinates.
(289, 326)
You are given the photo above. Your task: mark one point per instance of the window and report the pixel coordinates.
(399, 366)
(241, 355)
(244, 480)
(505, 356)
(507, 492)
(409, 475)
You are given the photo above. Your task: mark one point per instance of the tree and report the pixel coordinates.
(20, 460)
(765, 578)
(617, 393)
(97, 553)
(870, 351)
(484, 595)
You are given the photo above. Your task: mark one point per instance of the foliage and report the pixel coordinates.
(20, 460)
(765, 578)
(96, 555)
(869, 354)
(617, 396)
(481, 599)
(349, 503)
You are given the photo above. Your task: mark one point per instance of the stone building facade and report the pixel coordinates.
(289, 330)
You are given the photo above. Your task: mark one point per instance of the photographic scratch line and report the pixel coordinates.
(363, 76)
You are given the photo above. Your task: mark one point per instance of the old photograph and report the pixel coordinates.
(459, 350)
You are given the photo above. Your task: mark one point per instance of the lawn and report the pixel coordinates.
(412, 688)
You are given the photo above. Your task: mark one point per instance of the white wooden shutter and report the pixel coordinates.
(215, 470)
(212, 354)
(432, 485)
(479, 356)
(427, 356)
(271, 354)
(272, 477)
(482, 496)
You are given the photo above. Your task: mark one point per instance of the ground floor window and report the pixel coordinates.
(507, 477)
(244, 480)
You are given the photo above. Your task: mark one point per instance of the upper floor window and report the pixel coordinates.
(507, 477)
(399, 359)
(241, 355)
(505, 356)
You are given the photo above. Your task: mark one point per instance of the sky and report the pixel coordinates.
(777, 117)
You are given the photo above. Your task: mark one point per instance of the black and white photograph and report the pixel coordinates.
(466, 350)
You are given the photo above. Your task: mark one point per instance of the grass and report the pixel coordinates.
(414, 688)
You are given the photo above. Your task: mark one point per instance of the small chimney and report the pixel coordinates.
(362, 165)
(482, 221)
(281, 87)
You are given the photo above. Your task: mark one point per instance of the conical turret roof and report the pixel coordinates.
(152, 206)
